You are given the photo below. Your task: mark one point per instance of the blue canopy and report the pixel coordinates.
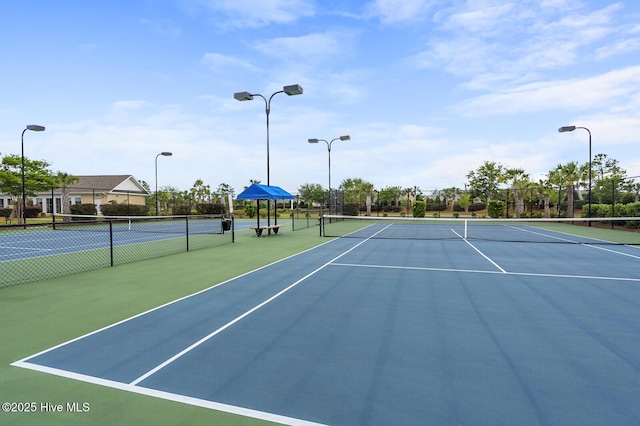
(264, 192)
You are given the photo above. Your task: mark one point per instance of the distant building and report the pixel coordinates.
(98, 190)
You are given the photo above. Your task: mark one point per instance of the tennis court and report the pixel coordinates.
(393, 329)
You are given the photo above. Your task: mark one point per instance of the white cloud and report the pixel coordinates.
(313, 47)
(506, 42)
(253, 14)
(602, 92)
(218, 62)
(398, 11)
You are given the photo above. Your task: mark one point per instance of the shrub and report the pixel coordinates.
(86, 209)
(496, 209)
(419, 209)
(6, 213)
(115, 209)
(32, 211)
(350, 209)
(217, 208)
(477, 206)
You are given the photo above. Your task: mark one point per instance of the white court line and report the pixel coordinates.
(25, 248)
(247, 412)
(240, 317)
(474, 271)
(481, 253)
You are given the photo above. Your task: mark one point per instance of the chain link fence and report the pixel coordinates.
(39, 251)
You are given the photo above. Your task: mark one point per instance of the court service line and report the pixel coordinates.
(479, 271)
(481, 253)
(240, 317)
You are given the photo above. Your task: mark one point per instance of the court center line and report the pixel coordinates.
(481, 253)
(240, 317)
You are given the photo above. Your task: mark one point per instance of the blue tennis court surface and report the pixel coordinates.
(379, 332)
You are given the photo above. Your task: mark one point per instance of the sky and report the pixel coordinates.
(428, 90)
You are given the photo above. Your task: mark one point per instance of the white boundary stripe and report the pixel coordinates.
(481, 253)
(240, 317)
(615, 251)
(474, 271)
(169, 303)
(247, 412)
(133, 387)
(478, 271)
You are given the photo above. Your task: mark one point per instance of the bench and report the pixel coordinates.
(259, 229)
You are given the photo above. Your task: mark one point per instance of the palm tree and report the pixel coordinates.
(545, 189)
(449, 195)
(519, 180)
(567, 175)
(63, 181)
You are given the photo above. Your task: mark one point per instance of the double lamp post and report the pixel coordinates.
(291, 90)
(329, 143)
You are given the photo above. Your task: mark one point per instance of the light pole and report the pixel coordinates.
(164, 154)
(35, 128)
(571, 129)
(294, 89)
(329, 143)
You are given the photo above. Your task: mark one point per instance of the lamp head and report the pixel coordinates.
(294, 89)
(166, 154)
(243, 96)
(345, 138)
(313, 140)
(566, 129)
(35, 128)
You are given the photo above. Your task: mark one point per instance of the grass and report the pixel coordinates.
(39, 315)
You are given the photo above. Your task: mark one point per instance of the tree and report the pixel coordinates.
(200, 193)
(567, 175)
(37, 178)
(357, 191)
(389, 196)
(484, 181)
(545, 189)
(311, 193)
(449, 195)
(518, 180)
(465, 202)
(63, 180)
(222, 192)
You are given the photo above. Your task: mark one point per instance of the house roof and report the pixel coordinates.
(108, 183)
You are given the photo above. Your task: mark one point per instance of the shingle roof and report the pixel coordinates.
(102, 182)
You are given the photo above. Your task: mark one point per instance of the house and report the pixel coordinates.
(98, 190)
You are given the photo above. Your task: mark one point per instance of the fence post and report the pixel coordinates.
(111, 240)
(186, 221)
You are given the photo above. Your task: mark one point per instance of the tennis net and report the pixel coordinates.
(180, 225)
(560, 230)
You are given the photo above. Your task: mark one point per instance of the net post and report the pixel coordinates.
(466, 224)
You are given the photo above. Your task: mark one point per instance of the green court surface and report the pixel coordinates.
(39, 315)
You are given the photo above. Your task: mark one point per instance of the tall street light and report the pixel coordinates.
(571, 129)
(164, 154)
(35, 128)
(294, 89)
(329, 143)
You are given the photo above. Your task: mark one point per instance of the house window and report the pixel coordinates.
(1, 203)
(77, 200)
